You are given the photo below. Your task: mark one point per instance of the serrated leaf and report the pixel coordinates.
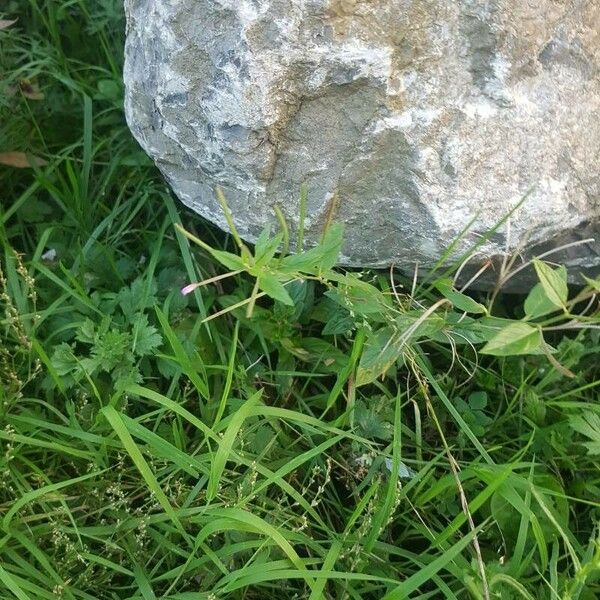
(137, 297)
(274, 288)
(146, 338)
(516, 339)
(554, 282)
(87, 332)
(537, 303)
(459, 300)
(371, 424)
(63, 360)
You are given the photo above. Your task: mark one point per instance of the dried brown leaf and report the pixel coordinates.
(30, 90)
(5, 23)
(20, 160)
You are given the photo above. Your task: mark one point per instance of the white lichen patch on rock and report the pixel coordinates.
(417, 114)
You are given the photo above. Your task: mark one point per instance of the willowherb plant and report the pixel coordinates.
(390, 325)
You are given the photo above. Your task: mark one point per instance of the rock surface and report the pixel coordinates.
(416, 115)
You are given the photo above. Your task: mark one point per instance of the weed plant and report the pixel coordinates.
(185, 417)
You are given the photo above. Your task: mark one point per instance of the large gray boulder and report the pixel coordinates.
(417, 115)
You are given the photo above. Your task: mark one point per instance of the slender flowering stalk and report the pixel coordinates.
(188, 289)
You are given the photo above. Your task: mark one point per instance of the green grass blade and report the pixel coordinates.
(116, 422)
(225, 445)
(425, 574)
(12, 585)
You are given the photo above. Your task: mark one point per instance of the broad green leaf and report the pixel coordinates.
(317, 350)
(588, 424)
(515, 339)
(554, 282)
(339, 323)
(485, 328)
(382, 349)
(274, 288)
(322, 257)
(538, 304)
(229, 260)
(413, 322)
(459, 300)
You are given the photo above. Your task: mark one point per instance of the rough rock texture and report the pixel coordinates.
(418, 115)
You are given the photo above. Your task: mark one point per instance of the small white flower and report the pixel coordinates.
(49, 255)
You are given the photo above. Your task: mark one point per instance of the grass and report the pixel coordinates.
(328, 435)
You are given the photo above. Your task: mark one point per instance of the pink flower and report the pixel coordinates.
(188, 289)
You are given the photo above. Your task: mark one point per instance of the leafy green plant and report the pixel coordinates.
(284, 429)
(395, 322)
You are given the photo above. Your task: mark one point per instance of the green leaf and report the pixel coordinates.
(331, 246)
(116, 422)
(593, 283)
(371, 424)
(63, 360)
(554, 282)
(145, 336)
(515, 339)
(483, 329)
(317, 350)
(359, 296)
(459, 300)
(226, 445)
(11, 584)
(426, 573)
(588, 425)
(138, 296)
(87, 332)
(322, 257)
(266, 246)
(537, 303)
(339, 323)
(382, 350)
(274, 288)
(478, 400)
(229, 260)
